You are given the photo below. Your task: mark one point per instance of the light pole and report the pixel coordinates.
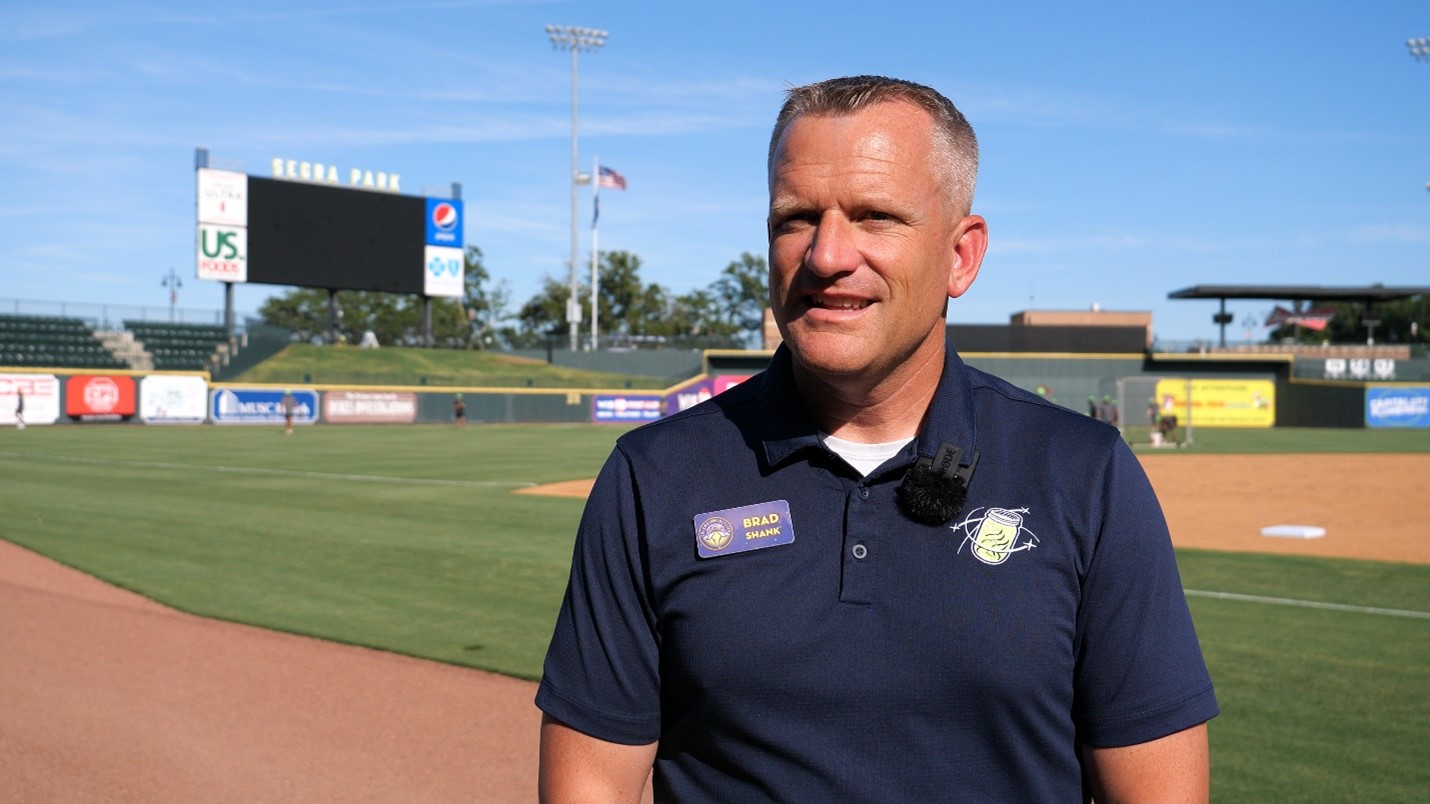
(173, 283)
(1420, 50)
(566, 37)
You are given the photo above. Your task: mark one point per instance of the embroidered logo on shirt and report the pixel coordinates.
(750, 527)
(995, 534)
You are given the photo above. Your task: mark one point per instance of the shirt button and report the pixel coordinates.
(860, 551)
(863, 494)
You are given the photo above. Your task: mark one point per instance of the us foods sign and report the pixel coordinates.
(223, 253)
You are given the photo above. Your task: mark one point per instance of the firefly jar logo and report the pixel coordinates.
(716, 533)
(996, 534)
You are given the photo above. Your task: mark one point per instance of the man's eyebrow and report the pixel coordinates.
(786, 206)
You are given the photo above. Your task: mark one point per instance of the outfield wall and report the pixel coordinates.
(92, 396)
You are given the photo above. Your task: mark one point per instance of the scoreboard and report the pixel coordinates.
(276, 232)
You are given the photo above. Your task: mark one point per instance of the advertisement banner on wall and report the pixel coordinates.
(1220, 403)
(260, 406)
(99, 398)
(688, 396)
(167, 399)
(725, 382)
(31, 398)
(361, 407)
(1398, 407)
(625, 408)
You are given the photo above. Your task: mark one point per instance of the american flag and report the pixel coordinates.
(610, 178)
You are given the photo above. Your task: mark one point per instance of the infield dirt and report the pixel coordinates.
(1372, 506)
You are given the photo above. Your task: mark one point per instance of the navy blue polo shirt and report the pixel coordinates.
(871, 657)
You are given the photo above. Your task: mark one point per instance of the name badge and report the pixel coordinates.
(750, 527)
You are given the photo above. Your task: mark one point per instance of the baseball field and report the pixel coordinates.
(428, 562)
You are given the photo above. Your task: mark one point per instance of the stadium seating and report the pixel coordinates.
(178, 347)
(52, 341)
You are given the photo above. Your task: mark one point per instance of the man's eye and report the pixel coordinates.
(792, 222)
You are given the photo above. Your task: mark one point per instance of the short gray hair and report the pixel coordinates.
(953, 137)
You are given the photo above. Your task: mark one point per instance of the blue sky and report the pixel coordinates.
(1129, 149)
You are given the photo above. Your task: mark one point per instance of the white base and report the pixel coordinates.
(1294, 531)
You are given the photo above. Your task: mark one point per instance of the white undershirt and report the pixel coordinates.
(865, 457)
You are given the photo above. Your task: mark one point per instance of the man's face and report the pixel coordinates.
(865, 242)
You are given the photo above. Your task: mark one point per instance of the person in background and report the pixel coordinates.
(290, 407)
(459, 410)
(19, 409)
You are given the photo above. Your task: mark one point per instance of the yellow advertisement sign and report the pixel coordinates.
(1220, 403)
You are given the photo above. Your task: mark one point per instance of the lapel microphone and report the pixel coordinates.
(934, 490)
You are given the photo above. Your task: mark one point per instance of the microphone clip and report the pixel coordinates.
(934, 489)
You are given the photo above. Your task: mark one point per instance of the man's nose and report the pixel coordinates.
(834, 249)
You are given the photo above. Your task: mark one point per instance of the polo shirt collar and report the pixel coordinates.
(785, 426)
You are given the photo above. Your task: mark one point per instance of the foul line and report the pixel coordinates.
(250, 470)
(1307, 604)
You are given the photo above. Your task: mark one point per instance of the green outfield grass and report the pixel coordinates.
(1288, 439)
(306, 364)
(409, 539)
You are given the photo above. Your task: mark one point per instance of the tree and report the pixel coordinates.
(728, 313)
(303, 310)
(743, 291)
(486, 304)
(545, 312)
(627, 305)
(1401, 321)
(472, 321)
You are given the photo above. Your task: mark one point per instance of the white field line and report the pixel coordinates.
(250, 470)
(1307, 604)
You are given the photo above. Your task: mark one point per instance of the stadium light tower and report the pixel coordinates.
(566, 37)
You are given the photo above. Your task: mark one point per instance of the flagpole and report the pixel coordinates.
(595, 250)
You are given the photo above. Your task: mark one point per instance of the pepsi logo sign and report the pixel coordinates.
(444, 216)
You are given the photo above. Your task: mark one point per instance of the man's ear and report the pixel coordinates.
(969, 244)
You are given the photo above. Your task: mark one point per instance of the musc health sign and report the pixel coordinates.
(1397, 407)
(260, 406)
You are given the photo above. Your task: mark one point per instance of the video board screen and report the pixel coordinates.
(277, 232)
(332, 237)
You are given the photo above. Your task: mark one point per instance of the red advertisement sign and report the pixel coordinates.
(99, 397)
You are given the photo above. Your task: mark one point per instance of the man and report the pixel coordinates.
(289, 404)
(873, 573)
